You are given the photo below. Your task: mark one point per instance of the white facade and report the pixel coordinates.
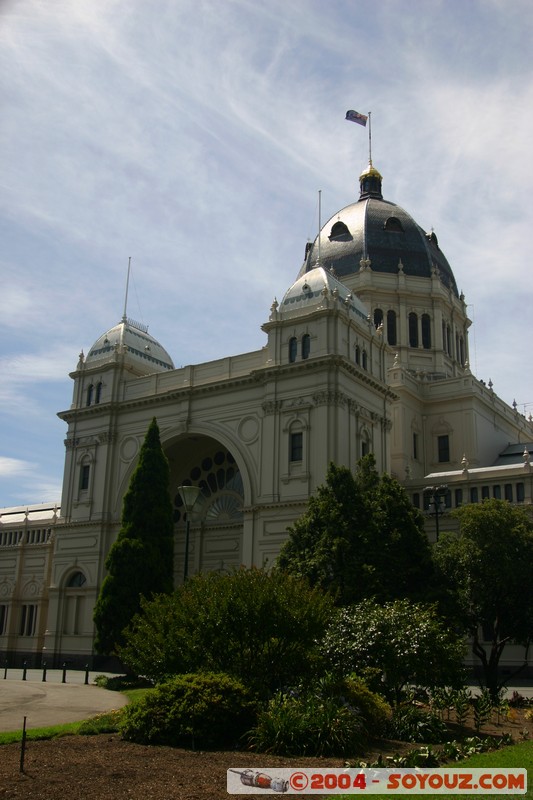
(373, 360)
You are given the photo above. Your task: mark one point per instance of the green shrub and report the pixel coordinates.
(410, 723)
(374, 709)
(462, 702)
(482, 705)
(120, 683)
(262, 627)
(205, 710)
(316, 722)
(407, 641)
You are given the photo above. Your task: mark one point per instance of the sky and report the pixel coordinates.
(193, 136)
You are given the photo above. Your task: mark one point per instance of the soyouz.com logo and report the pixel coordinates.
(376, 781)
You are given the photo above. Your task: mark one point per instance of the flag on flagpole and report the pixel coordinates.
(354, 116)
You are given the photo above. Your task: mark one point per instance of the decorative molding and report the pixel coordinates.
(107, 437)
(7, 588)
(271, 406)
(297, 402)
(330, 398)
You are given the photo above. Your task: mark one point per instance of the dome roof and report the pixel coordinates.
(380, 231)
(311, 289)
(131, 338)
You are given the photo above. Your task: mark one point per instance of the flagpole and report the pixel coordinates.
(127, 287)
(370, 138)
(319, 221)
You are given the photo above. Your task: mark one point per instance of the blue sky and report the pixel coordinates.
(193, 137)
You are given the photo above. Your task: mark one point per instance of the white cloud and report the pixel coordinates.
(15, 466)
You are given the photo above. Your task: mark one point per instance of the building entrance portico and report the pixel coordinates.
(216, 523)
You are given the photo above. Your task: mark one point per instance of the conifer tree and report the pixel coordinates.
(140, 562)
(360, 537)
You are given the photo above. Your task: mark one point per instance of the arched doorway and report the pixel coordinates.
(216, 526)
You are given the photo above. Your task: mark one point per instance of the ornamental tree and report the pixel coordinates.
(394, 645)
(360, 537)
(140, 562)
(487, 575)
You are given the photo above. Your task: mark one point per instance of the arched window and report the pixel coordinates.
(391, 327)
(293, 349)
(365, 360)
(444, 336)
(76, 580)
(74, 604)
(357, 354)
(426, 331)
(90, 392)
(296, 446)
(85, 474)
(413, 330)
(338, 230)
(378, 317)
(448, 340)
(393, 224)
(365, 441)
(98, 392)
(306, 345)
(443, 448)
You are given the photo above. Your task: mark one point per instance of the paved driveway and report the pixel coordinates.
(51, 702)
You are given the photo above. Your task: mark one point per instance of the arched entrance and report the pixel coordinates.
(216, 526)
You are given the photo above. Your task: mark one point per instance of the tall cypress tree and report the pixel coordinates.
(140, 562)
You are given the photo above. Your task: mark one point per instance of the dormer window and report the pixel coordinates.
(339, 231)
(393, 224)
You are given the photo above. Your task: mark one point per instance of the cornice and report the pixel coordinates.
(259, 376)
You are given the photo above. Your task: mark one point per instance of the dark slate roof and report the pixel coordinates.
(514, 454)
(385, 233)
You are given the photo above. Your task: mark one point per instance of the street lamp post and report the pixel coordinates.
(189, 496)
(436, 496)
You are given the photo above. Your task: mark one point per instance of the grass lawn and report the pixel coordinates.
(517, 755)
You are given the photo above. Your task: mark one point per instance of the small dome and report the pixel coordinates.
(378, 232)
(131, 338)
(310, 290)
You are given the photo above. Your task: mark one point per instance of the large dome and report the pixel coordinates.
(132, 339)
(380, 233)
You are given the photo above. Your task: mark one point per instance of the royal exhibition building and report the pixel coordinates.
(366, 351)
